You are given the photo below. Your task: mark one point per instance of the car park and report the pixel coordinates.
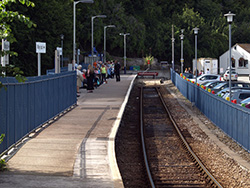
(238, 95)
(234, 75)
(224, 85)
(207, 77)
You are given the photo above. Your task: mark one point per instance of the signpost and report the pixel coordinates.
(78, 54)
(57, 61)
(40, 48)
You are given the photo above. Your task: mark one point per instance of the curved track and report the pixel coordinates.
(169, 160)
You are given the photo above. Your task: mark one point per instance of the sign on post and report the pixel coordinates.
(5, 47)
(59, 50)
(40, 48)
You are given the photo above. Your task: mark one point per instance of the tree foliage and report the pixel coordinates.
(149, 23)
(8, 16)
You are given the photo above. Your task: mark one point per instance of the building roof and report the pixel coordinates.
(245, 47)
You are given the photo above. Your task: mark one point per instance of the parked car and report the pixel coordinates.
(226, 90)
(188, 75)
(246, 102)
(207, 77)
(212, 84)
(238, 95)
(224, 85)
(234, 75)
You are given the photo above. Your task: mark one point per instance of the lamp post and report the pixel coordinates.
(230, 16)
(62, 37)
(173, 39)
(105, 27)
(74, 28)
(124, 36)
(182, 60)
(173, 52)
(92, 34)
(196, 67)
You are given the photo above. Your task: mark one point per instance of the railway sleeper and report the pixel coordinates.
(180, 184)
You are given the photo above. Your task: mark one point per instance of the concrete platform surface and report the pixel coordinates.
(77, 150)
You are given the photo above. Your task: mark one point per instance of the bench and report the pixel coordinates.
(142, 74)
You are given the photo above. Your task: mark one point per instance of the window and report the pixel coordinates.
(213, 77)
(244, 95)
(233, 62)
(203, 78)
(243, 62)
(246, 63)
(238, 85)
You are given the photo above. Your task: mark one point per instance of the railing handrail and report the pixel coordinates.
(26, 106)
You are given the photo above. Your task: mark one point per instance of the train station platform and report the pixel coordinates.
(77, 150)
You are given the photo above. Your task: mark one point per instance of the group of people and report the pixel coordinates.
(196, 72)
(97, 74)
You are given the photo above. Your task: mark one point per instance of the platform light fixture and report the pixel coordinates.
(74, 28)
(104, 54)
(182, 38)
(92, 35)
(230, 16)
(195, 34)
(124, 36)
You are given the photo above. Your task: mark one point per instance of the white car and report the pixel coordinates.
(206, 78)
(234, 75)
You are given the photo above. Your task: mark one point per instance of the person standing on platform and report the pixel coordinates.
(117, 71)
(103, 72)
(79, 78)
(90, 79)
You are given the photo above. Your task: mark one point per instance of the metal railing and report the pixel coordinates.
(26, 106)
(233, 119)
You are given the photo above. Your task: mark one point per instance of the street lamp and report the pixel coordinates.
(62, 37)
(105, 27)
(74, 28)
(230, 20)
(182, 60)
(92, 34)
(124, 35)
(173, 39)
(196, 68)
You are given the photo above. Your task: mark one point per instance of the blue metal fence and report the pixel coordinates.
(26, 106)
(234, 120)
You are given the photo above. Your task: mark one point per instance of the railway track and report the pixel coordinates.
(169, 160)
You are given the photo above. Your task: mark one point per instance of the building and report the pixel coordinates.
(206, 63)
(240, 54)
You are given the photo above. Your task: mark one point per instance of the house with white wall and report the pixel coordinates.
(240, 54)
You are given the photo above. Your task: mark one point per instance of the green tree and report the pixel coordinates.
(7, 16)
(148, 22)
(53, 18)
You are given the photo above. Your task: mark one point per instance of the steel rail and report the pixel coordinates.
(214, 181)
(143, 142)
